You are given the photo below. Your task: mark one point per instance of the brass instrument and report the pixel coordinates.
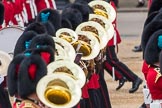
(68, 68)
(104, 9)
(96, 29)
(58, 91)
(101, 12)
(105, 23)
(84, 47)
(67, 34)
(88, 45)
(63, 49)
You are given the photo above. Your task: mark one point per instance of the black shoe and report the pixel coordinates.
(140, 4)
(121, 83)
(136, 85)
(143, 106)
(137, 48)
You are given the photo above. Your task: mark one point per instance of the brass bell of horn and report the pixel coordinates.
(103, 8)
(60, 52)
(67, 34)
(105, 23)
(69, 68)
(63, 49)
(96, 29)
(93, 44)
(58, 91)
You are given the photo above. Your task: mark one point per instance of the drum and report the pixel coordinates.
(9, 37)
(5, 60)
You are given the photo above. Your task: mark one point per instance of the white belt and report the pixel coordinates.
(157, 101)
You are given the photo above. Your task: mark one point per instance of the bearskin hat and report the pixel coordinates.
(150, 18)
(83, 1)
(54, 17)
(155, 6)
(148, 31)
(50, 28)
(73, 15)
(65, 23)
(42, 40)
(85, 9)
(153, 48)
(23, 42)
(46, 52)
(12, 74)
(31, 70)
(36, 27)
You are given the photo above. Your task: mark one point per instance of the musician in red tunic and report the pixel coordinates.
(153, 57)
(119, 67)
(33, 7)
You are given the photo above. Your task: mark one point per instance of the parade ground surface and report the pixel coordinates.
(130, 26)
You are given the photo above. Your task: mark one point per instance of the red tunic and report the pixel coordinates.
(33, 7)
(9, 12)
(145, 68)
(30, 10)
(116, 38)
(43, 4)
(11, 9)
(93, 82)
(154, 82)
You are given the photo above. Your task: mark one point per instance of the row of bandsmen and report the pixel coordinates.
(22, 12)
(57, 61)
(151, 42)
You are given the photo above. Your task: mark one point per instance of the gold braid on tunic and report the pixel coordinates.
(158, 74)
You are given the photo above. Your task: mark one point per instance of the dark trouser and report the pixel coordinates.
(112, 59)
(104, 90)
(95, 97)
(84, 103)
(109, 69)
